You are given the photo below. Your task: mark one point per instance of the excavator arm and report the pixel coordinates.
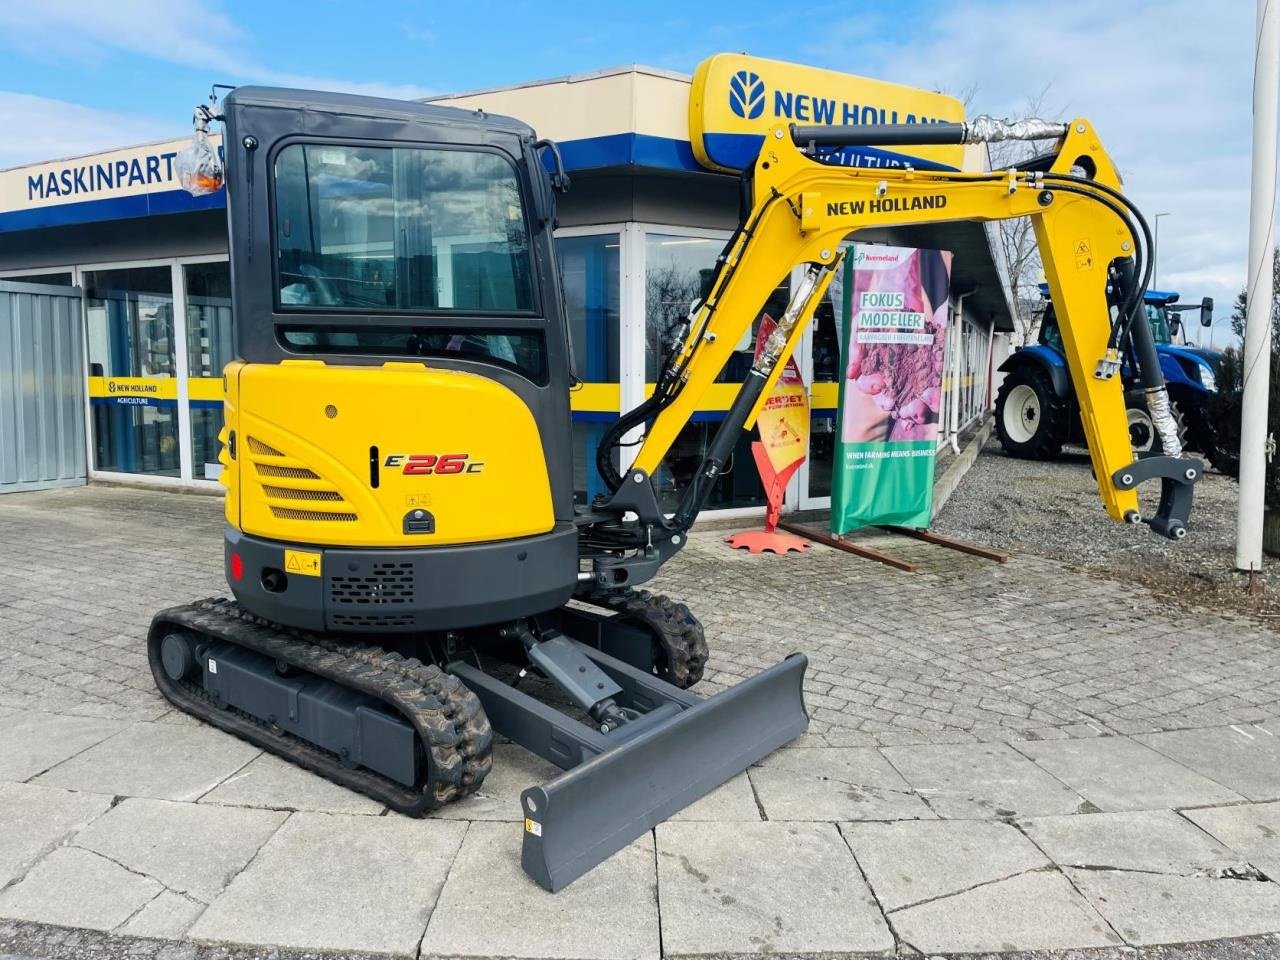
(1094, 245)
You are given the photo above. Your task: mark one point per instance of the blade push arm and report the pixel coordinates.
(801, 212)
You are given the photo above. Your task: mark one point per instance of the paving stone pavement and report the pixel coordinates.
(1016, 757)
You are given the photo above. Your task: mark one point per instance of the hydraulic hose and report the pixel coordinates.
(1137, 327)
(1089, 188)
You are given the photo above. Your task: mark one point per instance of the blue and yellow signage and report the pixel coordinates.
(154, 391)
(736, 99)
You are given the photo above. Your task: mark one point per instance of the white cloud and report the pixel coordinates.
(1167, 83)
(52, 129)
(194, 33)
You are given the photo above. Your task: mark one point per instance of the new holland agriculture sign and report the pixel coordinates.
(737, 99)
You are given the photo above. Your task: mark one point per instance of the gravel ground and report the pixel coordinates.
(1052, 509)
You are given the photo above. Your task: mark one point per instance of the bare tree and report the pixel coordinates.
(670, 289)
(1017, 236)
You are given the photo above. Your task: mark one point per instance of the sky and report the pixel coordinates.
(1167, 83)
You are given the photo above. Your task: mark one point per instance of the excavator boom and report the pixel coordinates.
(802, 209)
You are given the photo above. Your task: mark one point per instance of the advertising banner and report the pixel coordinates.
(784, 418)
(894, 324)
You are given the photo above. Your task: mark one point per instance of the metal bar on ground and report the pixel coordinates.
(857, 549)
(951, 543)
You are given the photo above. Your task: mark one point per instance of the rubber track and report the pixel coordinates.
(676, 630)
(448, 718)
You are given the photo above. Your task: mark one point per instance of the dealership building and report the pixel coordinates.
(115, 312)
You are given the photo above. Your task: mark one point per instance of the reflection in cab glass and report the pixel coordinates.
(397, 230)
(377, 229)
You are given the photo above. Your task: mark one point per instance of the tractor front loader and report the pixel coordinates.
(410, 573)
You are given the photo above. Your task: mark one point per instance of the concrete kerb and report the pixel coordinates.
(23, 940)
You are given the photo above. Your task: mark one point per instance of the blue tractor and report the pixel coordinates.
(1036, 410)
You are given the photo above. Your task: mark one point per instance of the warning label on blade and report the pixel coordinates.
(302, 562)
(532, 826)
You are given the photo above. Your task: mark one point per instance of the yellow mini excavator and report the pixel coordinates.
(402, 541)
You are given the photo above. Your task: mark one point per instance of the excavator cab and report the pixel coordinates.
(395, 300)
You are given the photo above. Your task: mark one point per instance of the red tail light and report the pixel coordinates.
(237, 567)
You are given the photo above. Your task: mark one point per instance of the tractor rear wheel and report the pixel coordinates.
(1031, 418)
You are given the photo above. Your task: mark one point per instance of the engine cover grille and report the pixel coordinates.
(389, 583)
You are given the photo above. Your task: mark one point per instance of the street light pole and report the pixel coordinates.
(1155, 252)
(1258, 287)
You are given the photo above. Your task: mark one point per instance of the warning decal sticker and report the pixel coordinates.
(302, 562)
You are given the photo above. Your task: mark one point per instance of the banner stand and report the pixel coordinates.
(775, 486)
(784, 442)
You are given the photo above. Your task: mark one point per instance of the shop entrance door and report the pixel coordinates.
(42, 442)
(133, 372)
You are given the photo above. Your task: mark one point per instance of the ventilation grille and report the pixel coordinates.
(290, 473)
(283, 466)
(385, 620)
(262, 449)
(389, 584)
(295, 493)
(290, 513)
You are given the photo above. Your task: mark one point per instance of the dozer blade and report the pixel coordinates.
(595, 809)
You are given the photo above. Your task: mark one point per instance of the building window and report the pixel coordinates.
(678, 272)
(590, 267)
(129, 317)
(62, 279)
(210, 347)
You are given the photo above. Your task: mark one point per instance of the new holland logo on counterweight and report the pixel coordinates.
(746, 95)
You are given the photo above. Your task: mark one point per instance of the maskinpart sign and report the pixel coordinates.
(737, 99)
(132, 182)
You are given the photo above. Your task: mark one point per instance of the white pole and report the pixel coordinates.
(1257, 333)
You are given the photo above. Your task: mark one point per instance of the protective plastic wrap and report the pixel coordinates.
(1162, 417)
(198, 168)
(986, 129)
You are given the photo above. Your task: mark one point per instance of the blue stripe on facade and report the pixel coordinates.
(627, 149)
(110, 208)
(592, 153)
(130, 401)
(133, 402)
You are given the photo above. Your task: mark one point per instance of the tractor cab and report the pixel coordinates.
(1164, 314)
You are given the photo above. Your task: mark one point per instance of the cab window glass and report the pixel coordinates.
(1158, 319)
(393, 228)
(1050, 335)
